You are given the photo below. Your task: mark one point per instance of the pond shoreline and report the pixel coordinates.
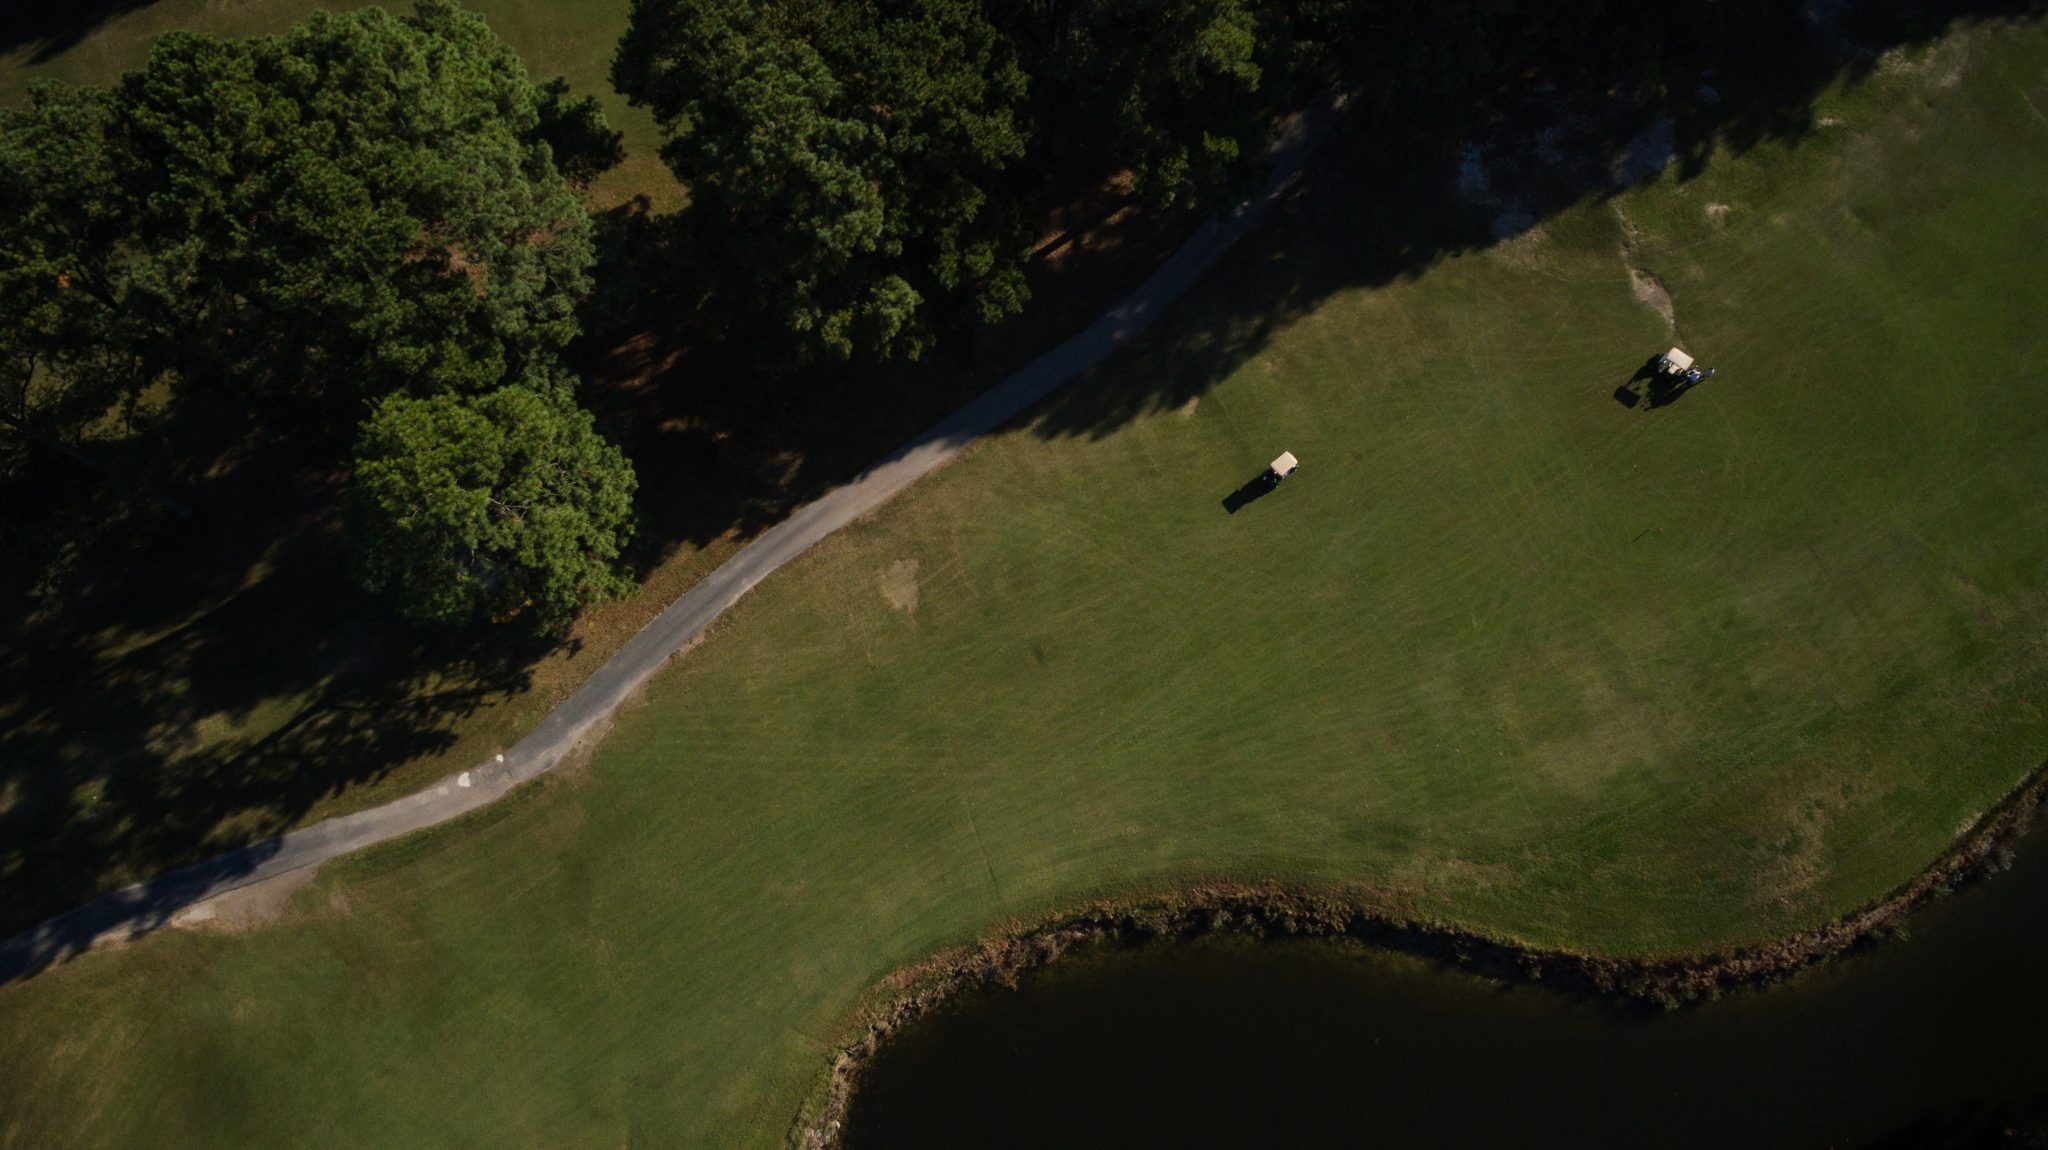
(1278, 910)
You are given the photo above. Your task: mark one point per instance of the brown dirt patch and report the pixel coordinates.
(899, 585)
(247, 907)
(1650, 290)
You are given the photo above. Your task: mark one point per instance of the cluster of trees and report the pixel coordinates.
(371, 226)
(367, 224)
(374, 223)
(862, 173)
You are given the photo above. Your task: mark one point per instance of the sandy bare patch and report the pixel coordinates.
(1524, 249)
(899, 585)
(1944, 63)
(1631, 235)
(1718, 212)
(1651, 290)
(248, 907)
(1187, 410)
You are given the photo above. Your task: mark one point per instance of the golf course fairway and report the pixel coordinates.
(1507, 653)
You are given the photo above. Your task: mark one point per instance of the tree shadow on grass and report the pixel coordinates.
(142, 788)
(725, 451)
(1393, 190)
(202, 686)
(206, 686)
(170, 690)
(1974, 1125)
(49, 28)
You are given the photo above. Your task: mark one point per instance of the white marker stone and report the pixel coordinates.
(462, 780)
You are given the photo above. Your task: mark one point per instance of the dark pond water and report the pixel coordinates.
(1940, 1040)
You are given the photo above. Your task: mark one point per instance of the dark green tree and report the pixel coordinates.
(489, 507)
(66, 354)
(281, 231)
(583, 145)
(1176, 91)
(854, 175)
(364, 204)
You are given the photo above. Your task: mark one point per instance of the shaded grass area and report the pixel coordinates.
(180, 689)
(170, 689)
(1505, 653)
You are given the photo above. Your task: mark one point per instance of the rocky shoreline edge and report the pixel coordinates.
(1279, 910)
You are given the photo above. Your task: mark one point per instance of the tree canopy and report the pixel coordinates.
(863, 175)
(1171, 91)
(488, 506)
(63, 333)
(364, 198)
(852, 167)
(296, 226)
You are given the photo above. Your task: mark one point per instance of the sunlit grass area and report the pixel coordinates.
(170, 689)
(1510, 651)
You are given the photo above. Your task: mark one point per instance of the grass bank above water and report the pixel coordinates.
(1507, 653)
(1268, 913)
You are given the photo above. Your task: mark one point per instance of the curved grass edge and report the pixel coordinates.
(1197, 907)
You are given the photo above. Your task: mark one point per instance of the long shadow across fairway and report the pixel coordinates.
(1428, 174)
(171, 690)
(120, 762)
(49, 28)
(641, 657)
(112, 764)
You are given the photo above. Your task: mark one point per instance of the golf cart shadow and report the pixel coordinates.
(1253, 490)
(1652, 386)
(1259, 485)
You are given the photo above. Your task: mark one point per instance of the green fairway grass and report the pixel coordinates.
(1507, 652)
(242, 684)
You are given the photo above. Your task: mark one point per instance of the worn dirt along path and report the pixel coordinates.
(148, 905)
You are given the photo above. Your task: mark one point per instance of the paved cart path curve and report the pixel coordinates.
(148, 905)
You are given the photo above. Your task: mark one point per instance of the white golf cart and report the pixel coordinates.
(1674, 362)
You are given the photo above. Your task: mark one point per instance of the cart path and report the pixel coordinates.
(148, 905)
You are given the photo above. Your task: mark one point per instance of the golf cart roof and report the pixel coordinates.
(1286, 463)
(1678, 360)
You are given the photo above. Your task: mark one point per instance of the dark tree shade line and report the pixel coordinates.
(862, 173)
(366, 222)
(371, 224)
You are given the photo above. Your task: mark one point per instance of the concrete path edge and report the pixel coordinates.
(148, 905)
